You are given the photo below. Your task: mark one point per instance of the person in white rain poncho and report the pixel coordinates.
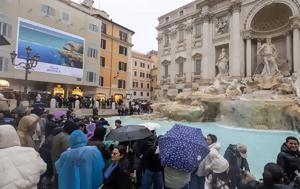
(20, 167)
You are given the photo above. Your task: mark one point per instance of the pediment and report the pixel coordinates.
(180, 59)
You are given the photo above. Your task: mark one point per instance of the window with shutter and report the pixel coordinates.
(47, 10)
(5, 29)
(102, 61)
(198, 30)
(103, 43)
(180, 71)
(93, 28)
(166, 71)
(198, 66)
(181, 35)
(103, 28)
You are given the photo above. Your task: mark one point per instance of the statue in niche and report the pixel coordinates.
(268, 53)
(222, 63)
(222, 26)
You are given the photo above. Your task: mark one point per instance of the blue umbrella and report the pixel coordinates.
(183, 148)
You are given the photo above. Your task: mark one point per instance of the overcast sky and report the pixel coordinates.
(139, 16)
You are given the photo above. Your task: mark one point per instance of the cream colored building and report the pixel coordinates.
(74, 38)
(140, 80)
(191, 38)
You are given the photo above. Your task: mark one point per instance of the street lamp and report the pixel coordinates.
(31, 62)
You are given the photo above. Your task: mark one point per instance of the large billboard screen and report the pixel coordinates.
(60, 52)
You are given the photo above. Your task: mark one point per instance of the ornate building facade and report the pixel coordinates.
(205, 38)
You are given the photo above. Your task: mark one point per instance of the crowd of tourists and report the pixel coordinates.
(40, 151)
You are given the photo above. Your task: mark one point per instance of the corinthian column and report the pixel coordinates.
(296, 43)
(235, 64)
(206, 47)
(248, 57)
(289, 47)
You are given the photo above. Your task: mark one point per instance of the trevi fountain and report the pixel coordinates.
(250, 64)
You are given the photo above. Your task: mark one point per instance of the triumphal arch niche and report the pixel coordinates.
(271, 32)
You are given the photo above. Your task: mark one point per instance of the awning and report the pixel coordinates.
(3, 41)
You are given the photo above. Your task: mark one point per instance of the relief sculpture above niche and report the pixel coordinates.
(222, 25)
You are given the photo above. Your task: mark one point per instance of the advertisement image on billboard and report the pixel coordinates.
(60, 52)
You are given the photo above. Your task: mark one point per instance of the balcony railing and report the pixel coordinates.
(196, 76)
(166, 79)
(180, 78)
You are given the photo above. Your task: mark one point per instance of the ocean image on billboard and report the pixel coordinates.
(58, 51)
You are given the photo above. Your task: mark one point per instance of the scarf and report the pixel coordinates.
(110, 169)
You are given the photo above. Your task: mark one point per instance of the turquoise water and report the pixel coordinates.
(263, 146)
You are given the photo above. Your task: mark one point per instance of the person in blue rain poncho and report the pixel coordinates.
(80, 167)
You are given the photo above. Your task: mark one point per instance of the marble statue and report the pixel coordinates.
(218, 87)
(296, 83)
(234, 88)
(222, 63)
(268, 53)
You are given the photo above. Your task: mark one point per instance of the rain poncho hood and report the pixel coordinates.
(77, 139)
(20, 167)
(80, 167)
(8, 137)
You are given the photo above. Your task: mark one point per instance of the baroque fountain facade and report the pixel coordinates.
(231, 61)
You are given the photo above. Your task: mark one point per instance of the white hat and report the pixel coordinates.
(219, 164)
(242, 148)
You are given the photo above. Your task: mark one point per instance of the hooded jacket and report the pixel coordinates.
(20, 167)
(232, 155)
(289, 162)
(26, 129)
(202, 170)
(80, 167)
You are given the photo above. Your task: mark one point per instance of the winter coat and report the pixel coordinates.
(45, 152)
(50, 126)
(289, 162)
(151, 156)
(202, 171)
(20, 167)
(26, 129)
(232, 155)
(80, 167)
(59, 145)
(119, 177)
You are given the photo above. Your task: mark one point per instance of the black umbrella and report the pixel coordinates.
(129, 133)
(19, 110)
